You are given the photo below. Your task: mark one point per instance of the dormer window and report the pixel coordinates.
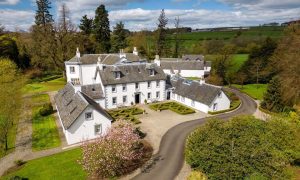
(117, 75)
(152, 72)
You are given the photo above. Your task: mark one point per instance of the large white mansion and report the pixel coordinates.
(105, 81)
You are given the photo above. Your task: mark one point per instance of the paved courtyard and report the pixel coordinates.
(156, 123)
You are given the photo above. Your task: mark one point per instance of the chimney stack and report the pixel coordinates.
(157, 60)
(77, 53)
(135, 52)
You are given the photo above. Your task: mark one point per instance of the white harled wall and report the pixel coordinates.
(83, 129)
(130, 93)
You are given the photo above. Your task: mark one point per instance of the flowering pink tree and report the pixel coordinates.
(110, 155)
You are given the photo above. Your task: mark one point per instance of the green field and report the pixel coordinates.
(60, 166)
(53, 85)
(256, 91)
(44, 130)
(237, 60)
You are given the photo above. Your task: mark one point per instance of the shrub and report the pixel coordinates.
(113, 154)
(19, 162)
(244, 146)
(46, 110)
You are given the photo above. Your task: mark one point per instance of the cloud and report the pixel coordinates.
(263, 4)
(9, 2)
(16, 19)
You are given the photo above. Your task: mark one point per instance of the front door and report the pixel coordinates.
(168, 95)
(137, 98)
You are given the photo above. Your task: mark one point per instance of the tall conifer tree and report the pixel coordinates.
(101, 30)
(161, 43)
(119, 37)
(43, 16)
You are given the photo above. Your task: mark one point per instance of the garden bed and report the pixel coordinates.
(127, 114)
(173, 106)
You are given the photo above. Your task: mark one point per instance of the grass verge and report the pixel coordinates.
(256, 91)
(60, 166)
(44, 130)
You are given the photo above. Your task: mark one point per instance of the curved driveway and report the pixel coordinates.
(170, 157)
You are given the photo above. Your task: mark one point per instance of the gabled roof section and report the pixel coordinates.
(108, 59)
(182, 65)
(204, 93)
(94, 91)
(131, 73)
(71, 104)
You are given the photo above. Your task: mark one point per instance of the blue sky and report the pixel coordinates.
(142, 14)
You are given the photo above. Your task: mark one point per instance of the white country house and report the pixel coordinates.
(198, 95)
(80, 116)
(105, 81)
(187, 66)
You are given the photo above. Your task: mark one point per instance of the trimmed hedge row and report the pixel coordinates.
(127, 114)
(173, 106)
(227, 110)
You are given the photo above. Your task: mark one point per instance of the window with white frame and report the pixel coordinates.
(75, 81)
(117, 75)
(157, 83)
(114, 100)
(124, 99)
(152, 72)
(182, 99)
(72, 69)
(88, 115)
(173, 95)
(124, 88)
(193, 103)
(137, 86)
(178, 97)
(157, 94)
(113, 89)
(149, 95)
(98, 129)
(149, 84)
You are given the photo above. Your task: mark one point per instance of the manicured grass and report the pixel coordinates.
(60, 166)
(52, 85)
(193, 78)
(173, 106)
(127, 114)
(237, 60)
(256, 91)
(44, 130)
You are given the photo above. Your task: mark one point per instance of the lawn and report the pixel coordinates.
(237, 60)
(127, 114)
(60, 166)
(173, 106)
(256, 91)
(38, 87)
(44, 130)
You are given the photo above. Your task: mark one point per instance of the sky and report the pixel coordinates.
(142, 14)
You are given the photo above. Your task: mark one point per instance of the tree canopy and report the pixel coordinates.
(244, 147)
(86, 25)
(43, 16)
(101, 30)
(119, 37)
(161, 44)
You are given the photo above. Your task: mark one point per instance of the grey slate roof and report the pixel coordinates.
(182, 65)
(193, 57)
(94, 91)
(108, 59)
(204, 93)
(71, 104)
(131, 73)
